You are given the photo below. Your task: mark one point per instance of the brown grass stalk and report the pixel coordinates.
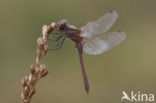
(37, 70)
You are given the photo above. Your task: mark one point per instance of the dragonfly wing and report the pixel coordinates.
(99, 44)
(101, 25)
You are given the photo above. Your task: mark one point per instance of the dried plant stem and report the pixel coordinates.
(38, 70)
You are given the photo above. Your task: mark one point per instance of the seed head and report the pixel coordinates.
(40, 41)
(54, 25)
(42, 67)
(45, 47)
(44, 73)
(44, 29)
(32, 68)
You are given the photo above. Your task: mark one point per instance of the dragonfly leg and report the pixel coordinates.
(57, 38)
(59, 44)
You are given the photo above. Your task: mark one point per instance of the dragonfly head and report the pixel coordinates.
(62, 24)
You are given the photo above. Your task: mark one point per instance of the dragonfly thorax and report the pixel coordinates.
(73, 34)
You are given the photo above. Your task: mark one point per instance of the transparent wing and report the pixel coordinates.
(99, 44)
(101, 25)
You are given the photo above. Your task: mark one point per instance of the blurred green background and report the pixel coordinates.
(130, 66)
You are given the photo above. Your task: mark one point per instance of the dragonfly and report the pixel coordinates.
(93, 38)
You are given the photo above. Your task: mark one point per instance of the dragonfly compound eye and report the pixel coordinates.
(62, 24)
